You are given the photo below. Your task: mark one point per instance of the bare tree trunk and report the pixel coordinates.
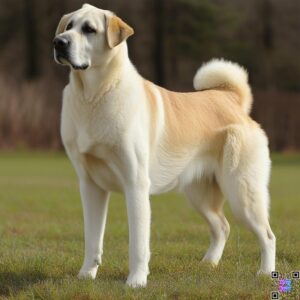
(30, 39)
(267, 16)
(159, 59)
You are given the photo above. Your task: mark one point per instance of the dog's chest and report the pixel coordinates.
(95, 132)
(97, 156)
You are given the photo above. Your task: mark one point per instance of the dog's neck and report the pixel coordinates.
(95, 82)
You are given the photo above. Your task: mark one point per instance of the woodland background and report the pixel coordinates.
(172, 39)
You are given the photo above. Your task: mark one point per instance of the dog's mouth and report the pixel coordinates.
(63, 59)
(81, 67)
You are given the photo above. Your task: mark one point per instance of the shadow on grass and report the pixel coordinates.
(11, 283)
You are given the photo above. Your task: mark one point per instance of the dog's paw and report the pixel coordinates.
(137, 280)
(209, 263)
(87, 274)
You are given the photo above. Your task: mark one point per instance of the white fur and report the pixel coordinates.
(105, 129)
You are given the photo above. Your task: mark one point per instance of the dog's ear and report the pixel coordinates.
(62, 23)
(86, 5)
(117, 31)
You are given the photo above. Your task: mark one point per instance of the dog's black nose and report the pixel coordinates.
(61, 43)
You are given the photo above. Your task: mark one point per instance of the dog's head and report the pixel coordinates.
(88, 37)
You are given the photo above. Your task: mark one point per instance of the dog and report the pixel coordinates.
(125, 134)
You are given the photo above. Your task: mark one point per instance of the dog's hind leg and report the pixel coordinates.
(206, 197)
(244, 180)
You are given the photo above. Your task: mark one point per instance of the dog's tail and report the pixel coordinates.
(227, 75)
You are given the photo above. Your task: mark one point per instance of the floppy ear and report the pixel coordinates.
(62, 23)
(117, 31)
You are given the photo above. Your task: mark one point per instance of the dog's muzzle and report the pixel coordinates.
(61, 46)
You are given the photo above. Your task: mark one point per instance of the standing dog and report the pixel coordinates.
(125, 134)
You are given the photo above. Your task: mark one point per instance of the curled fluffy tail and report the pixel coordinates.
(227, 75)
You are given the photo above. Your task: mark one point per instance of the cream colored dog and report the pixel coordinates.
(125, 134)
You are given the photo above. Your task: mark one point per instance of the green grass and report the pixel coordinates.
(41, 239)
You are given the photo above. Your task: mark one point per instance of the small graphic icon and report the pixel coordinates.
(274, 295)
(285, 285)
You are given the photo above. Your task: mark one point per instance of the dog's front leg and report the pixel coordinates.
(95, 203)
(138, 210)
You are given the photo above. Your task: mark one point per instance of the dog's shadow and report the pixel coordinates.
(13, 282)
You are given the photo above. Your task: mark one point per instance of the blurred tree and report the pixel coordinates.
(8, 12)
(173, 38)
(31, 39)
(159, 36)
(200, 26)
(195, 32)
(267, 28)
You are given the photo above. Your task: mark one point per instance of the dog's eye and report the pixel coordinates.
(70, 25)
(88, 29)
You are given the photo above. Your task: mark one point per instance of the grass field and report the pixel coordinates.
(41, 239)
